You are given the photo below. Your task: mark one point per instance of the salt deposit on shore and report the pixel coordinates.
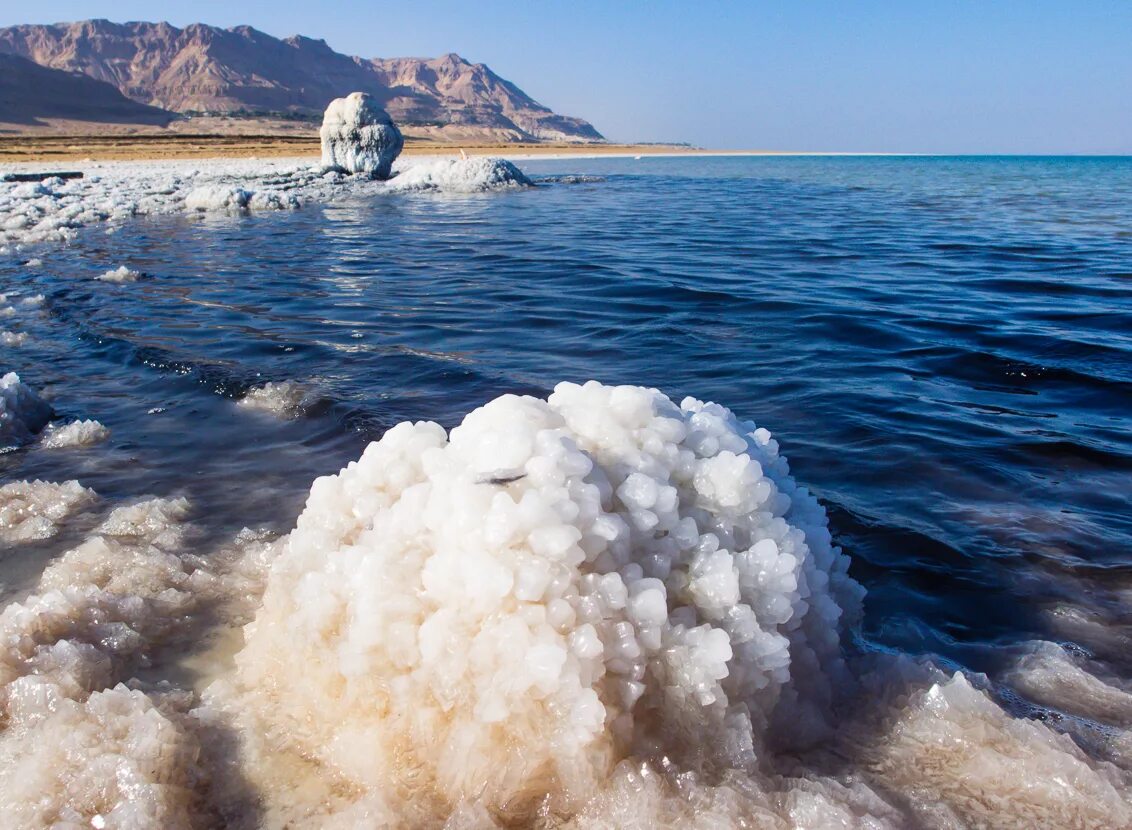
(112, 192)
(599, 610)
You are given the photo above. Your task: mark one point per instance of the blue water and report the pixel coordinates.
(942, 345)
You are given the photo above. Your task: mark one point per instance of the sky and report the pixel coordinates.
(950, 76)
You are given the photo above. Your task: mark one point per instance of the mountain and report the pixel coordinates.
(30, 94)
(205, 69)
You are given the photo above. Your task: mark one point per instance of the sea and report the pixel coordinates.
(942, 347)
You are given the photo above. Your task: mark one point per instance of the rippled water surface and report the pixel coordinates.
(943, 346)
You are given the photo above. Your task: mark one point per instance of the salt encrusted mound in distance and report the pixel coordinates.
(502, 614)
(358, 136)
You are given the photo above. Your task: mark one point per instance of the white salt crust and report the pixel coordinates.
(22, 412)
(597, 611)
(81, 744)
(75, 434)
(112, 192)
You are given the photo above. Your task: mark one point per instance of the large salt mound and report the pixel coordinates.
(22, 412)
(358, 136)
(504, 613)
(471, 175)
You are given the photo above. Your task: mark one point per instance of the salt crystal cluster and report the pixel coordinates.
(75, 434)
(964, 762)
(22, 412)
(470, 175)
(358, 136)
(82, 743)
(33, 510)
(505, 612)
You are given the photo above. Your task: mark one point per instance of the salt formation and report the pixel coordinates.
(358, 136)
(22, 412)
(596, 611)
(221, 198)
(82, 744)
(965, 763)
(113, 192)
(284, 399)
(471, 175)
(120, 274)
(74, 434)
(510, 610)
(31, 510)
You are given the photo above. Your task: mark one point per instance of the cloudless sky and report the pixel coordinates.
(965, 76)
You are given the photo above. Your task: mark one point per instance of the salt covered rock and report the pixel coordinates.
(358, 136)
(510, 609)
(22, 412)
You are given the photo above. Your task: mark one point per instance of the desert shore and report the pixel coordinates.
(38, 147)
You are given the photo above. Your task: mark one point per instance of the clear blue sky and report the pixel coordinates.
(853, 75)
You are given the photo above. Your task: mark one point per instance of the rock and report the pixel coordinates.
(358, 136)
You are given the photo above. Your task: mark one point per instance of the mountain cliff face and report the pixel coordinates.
(31, 94)
(206, 69)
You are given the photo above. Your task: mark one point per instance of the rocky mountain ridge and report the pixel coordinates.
(206, 69)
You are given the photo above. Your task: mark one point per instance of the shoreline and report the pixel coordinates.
(37, 149)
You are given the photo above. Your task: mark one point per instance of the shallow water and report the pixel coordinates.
(943, 347)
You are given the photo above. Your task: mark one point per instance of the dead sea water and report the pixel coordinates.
(940, 346)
